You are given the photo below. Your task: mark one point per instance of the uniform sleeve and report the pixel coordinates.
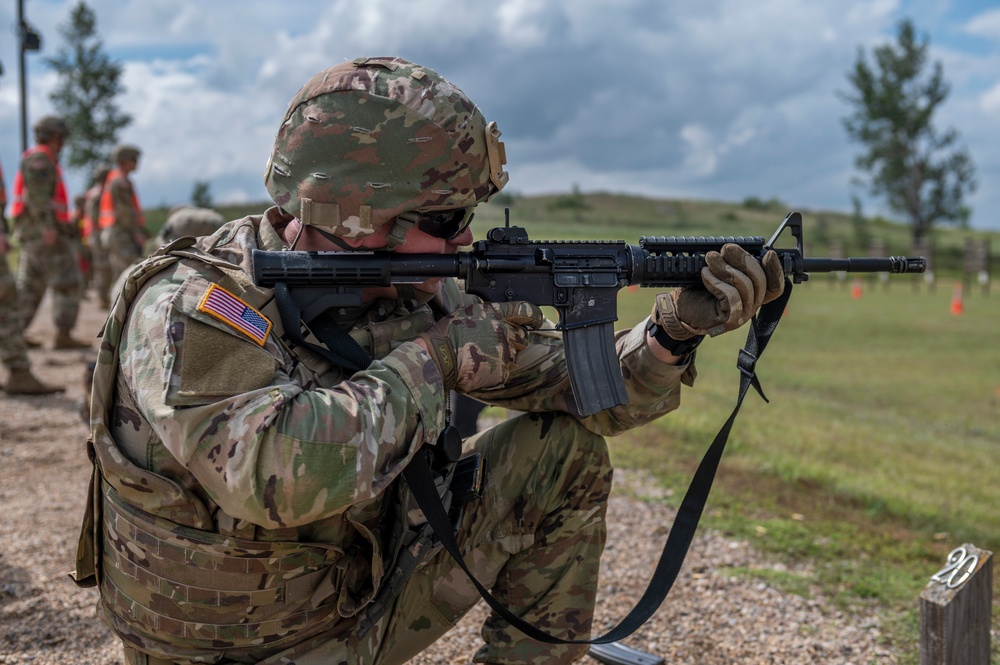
(265, 447)
(540, 382)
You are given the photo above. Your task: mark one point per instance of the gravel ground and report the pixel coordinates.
(710, 617)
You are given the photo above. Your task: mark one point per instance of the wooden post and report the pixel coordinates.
(955, 610)
(877, 249)
(925, 249)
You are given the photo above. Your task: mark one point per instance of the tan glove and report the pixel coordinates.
(475, 347)
(735, 285)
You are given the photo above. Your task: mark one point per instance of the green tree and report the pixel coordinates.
(201, 195)
(921, 173)
(89, 81)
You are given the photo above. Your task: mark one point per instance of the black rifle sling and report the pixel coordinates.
(344, 350)
(419, 477)
(340, 348)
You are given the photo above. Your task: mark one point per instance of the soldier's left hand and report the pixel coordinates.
(734, 286)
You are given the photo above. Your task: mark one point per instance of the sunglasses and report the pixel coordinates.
(445, 224)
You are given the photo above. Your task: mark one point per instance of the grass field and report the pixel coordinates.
(878, 453)
(880, 449)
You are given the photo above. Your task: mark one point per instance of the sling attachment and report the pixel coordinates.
(420, 478)
(339, 347)
(417, 548)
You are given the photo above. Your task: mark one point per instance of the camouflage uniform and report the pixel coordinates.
(247, 504)
(205, 435)
(100, 267)
(13, 351)
(42, 265)
(121, 223)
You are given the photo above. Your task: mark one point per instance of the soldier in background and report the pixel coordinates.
(43, 226)
(189, 221)
(123, 231)
(13, 350)
(182, 221)
(100, 269)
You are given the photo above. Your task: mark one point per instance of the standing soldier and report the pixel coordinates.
(43, 226)
(100, 269)
(123, 232)
(13, 351)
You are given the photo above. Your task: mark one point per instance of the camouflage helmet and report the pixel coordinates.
(125, 151)
(50, 126)
(368, 140)
(190, 221)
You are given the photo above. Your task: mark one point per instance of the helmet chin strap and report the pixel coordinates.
(400, 227)
(339, 242)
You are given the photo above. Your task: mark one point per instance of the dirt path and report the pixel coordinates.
(712, 616)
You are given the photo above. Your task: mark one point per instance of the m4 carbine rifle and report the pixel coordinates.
(580, 279)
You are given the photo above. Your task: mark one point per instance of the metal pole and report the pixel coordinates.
(30, 40)
(24, 84)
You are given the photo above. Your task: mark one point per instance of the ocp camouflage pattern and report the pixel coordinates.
(211, 447)
(366, 140)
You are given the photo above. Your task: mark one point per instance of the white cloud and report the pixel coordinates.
(986, 25)
(701, 153)
(720, 98)
(518, 23)
(990, 101)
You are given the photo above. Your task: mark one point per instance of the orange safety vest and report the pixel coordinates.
(107, 216)
(60, 199)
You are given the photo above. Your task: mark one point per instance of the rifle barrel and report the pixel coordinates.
(892, 264)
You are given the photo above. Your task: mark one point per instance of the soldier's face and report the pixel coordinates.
(414, 242)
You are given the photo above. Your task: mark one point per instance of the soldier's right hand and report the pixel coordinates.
(475, 347)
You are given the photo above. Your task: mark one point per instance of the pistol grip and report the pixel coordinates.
(594, 370)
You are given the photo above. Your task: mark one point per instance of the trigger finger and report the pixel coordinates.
(523, 313)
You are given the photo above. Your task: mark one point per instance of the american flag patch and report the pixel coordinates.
(229, 309)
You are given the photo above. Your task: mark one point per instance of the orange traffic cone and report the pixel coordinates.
(956, 300)
(856, 290)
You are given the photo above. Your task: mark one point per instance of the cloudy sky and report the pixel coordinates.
(720, 99)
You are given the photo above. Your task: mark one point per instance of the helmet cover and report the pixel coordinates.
(49, 126)
(365, 141)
